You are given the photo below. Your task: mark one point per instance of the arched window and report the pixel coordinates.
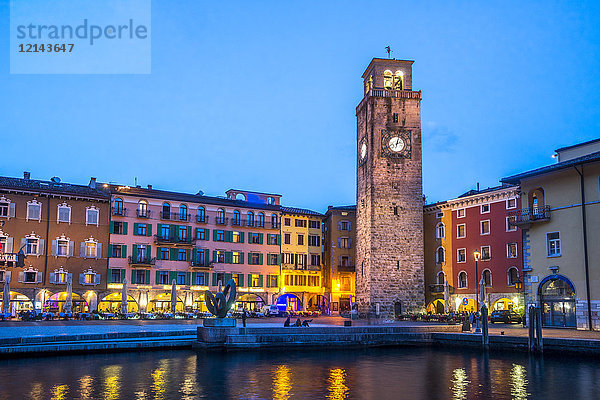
(441, 278)
(398, 80)
(201, 214)
(512, 275)
(270, 200)
(166, 211)
(440, 231)
(440, 255)
(487, 277)
(142, 210)
(118, 206)
(237, 217)
(183, 212)
(388, 80)
(240, 196)
(250, 218)
(260, 220)
(462, 279)
(274, 221)
(220, 216)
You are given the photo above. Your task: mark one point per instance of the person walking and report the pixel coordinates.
(244, 318)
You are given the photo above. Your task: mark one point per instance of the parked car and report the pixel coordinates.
(273, 311)
(506, 316)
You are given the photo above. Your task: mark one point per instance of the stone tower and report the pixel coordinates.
(389, 252)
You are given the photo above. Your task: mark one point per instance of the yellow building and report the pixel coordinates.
(301, 260)
(560, 218)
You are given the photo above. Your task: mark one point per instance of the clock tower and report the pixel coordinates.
(389, 207)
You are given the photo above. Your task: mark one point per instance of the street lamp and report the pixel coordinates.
(518, 287)
(477, 256)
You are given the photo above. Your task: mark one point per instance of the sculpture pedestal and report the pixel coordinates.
(219, 322)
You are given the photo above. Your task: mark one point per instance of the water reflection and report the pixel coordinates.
(86, 383)
(459, 384)
(518, 382)
(282, 383)
(59, 392)
(337, 387)
(159, 383)
(112, 382)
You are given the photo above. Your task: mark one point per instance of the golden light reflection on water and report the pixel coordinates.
(59, 392)
(37, 391)
(159, 383)
(112, 382)
(86, 385)
(518, 382)
(282, 383)
(459, 384)
(337, 384)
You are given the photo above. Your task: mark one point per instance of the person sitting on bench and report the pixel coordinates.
(298, 322)
(287, 322)
(306, 322)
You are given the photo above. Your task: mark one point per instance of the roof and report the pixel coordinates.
(294, 210)
(588, 158)
(387, 60)
(475, 192)
(342, 208)
(578, 145)
(35, 185)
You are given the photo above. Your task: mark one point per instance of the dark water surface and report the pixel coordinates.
(352, 374)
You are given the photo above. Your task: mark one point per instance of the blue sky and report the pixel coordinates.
(262, 95)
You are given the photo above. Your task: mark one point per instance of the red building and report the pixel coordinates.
(457, 230)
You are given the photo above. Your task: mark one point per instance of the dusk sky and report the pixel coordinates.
(262, 96)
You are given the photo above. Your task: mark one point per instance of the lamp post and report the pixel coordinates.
(477, 255)
(518, 287)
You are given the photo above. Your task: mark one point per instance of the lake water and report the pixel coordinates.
(353, 374)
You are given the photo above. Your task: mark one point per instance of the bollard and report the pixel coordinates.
(538, 329)
(485, 338)
(531, 328)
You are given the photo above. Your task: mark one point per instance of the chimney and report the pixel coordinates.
(150, 187)
(26, 175)
(92, 183)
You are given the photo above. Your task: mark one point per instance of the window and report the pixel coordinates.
(91, 216)
(274, 221)
(462, 280)
(220, 216)
(345, 261)
(235, 237)
(255, 238)
(164, 253)
(142, 253)
(64, 213)
(511, 203)
(344, 225)
(270, 200)
(485, 208)
(272, 281)
(260, 222)
(272, 239)
(553, 244)
(165, 232)
(182, 234)
(220, 236)
(30, 277)
(4, 205)
(314, 240)
(62, 247)
(300, 240)
(142, 230)
(461, 231)
(300, 223)
(181, 278)
(118, 206)
(439, 215)
(142, 210)
(117, 251)
(219, 256)
(288, 258)
(313, 224)
(395, 118)
(89, 278)
(201, 214)
(487, 277)
(162, 278)
(441, 278)
(509, 227)
(181, 255)
(388, 80)
(460, 213)
(485, 227)
(200, 234)
(287, 221)
(237, 217)
(440, 231)
(34, 210)
(301, 260)
(273, 259)
(166, 211)
(199, 279)
(398, 80)
(287, 238)
(315, 259)
(250, 218)
(512, 275)
(183, 212)
(90, 249)
(461, 255)
(440, 255)
(236, 278)
(220, 277)
(254, 258)
(115, 275)
(256, 280)
(236, 258)
(117, 227)
(140, 277)
(485, 253)
(344, 243)
(60, 276)
(511, 250)
(31, 246)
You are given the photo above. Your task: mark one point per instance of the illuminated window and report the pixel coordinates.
(485, 227)
(236, 237)
(91, 248)
(220, 216)
(462, 279)
(388, 80)
(513, 276)
(511, 250)
(398, 80)
(486, 253)
(235, 257)
(219, 256)
(256, 281)
(142, 210)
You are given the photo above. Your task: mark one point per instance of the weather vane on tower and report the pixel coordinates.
(389, 51)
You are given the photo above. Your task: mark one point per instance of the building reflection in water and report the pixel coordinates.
(337, 384)
(282, 383)
(459, 384)
(518, 382)
(159, 383)
(112, 382)
(59, 392)
(37, 391)
(86, 387)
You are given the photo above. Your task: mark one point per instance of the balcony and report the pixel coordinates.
(143, 213)
(201, 219)
(314, 268)
(346, 268)
(119, 211)
(436, 289)
(142, 261)
(236, 222)
(401, 94)
(273, 225)
(201, 264)
(160, 239)
(221, 221)
(528, 216)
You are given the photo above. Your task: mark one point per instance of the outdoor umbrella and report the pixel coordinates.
(446, 296)
(124, 297)
(69, 300)
(6, 295)
(173, 296)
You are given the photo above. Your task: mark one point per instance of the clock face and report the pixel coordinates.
(396, 144)
(363, 150)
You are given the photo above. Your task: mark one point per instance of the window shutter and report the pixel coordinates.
(228, 257)
(241, 279)
(214, 256)
(122, 275)
(21, 277)
(260, 259)
(249, 237)
(249, 280)
(339, 225)
(123, 251)
(205, 278)
(278, 259)
(133, 276)
(136, 227)
(241, 237)
(172, 275)
(11, 210)
(40, 277)
(134, 252)
(187, 254)
(189, 232)
(268, 259)
(260, 281)
(125, 228)
(111, 229)
(98, 278)
(81, 279)
(52, 277)
(260, 238)
(148, 229)
(71, 248)
(206, 234)
(173, 231)
(268, 281)
(241, 258)
(108, 275)
(206, 253)
(188, 277)
(197, 233)
(147, 277)
(110, 250)
(339, 260)
(158, 253)
(99, 250)
(41, 247)
(156, 282)
(214, 236)
(194, 275)
(227, 278)
(339, 242)
(278, 239)
(214, 282)
(23, 243)
(9, 245)
(229, 236)
(349, 243)
(82, 250)
(54, 250)
(173, 255)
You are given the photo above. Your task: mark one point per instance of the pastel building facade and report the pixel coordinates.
(197, 242)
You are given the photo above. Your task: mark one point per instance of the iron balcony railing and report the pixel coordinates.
(142, 260)
(528, 216)
(120, 211)
(221, 221)
(201, 264)
(174, 216)
(142, 213)
(201, 219)
(236, 222)
(174, 240)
